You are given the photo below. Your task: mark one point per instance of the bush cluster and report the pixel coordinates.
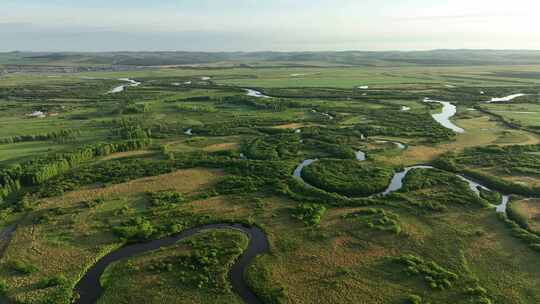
(348, 177)
(435, 276)
(196, 108)
(205, 265)
(532, 239)
(275, 147)
(378, 219)
(52, 281)
(22, 267)
(309, 214)
(258, 277)
(166, 198)
(135, 229)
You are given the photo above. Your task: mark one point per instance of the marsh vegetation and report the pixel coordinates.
(96, 172)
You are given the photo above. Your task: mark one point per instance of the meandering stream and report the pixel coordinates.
(398, 145)
(298, 171)
(121, 88)
(255, 93)
(448, 111)
(258, 94)
(360, 156)
(330, 117)
(397, 182)
(90, 289)
(506, 98)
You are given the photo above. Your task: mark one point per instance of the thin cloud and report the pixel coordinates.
(464, 16)
(249, 25)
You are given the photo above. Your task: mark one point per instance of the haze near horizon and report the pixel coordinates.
(251, 25)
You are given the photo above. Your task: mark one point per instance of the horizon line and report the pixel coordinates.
(276, 51)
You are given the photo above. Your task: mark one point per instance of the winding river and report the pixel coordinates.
(258, 94)
(121, 88)
(398, 145)
(506, 98)
(330, 117)
(397, 182)
(298, 171)
(448, 111)
(475, 187)
(90, 289)
(360, 156)
(255, 93)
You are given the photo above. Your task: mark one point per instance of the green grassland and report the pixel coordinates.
(101, 170)
(525, 114)
(283, 59)
(527, 213)
(346, 252)
(17, 152)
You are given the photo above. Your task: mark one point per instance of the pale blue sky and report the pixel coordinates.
(255, 25)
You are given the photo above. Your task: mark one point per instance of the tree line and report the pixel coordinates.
(61, 135)
(38, 170)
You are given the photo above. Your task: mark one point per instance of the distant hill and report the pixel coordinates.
(246, 59)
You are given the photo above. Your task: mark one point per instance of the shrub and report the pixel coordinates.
(196, 108)
(476, 291)
(533, 240)
(258, 277)
(413, 299)
(93, 203)
(23, 267)
(278, 146)
(504, 160)
(535, 247)
(3, 287)
(166, 198)
(135, 229)
(493, 197)
(378, 219)
(515, 215)
(206, 265)
(435, 276)
(309, 214)
(52, 281)
(348, 177)
(238, 184)
(483, 300)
